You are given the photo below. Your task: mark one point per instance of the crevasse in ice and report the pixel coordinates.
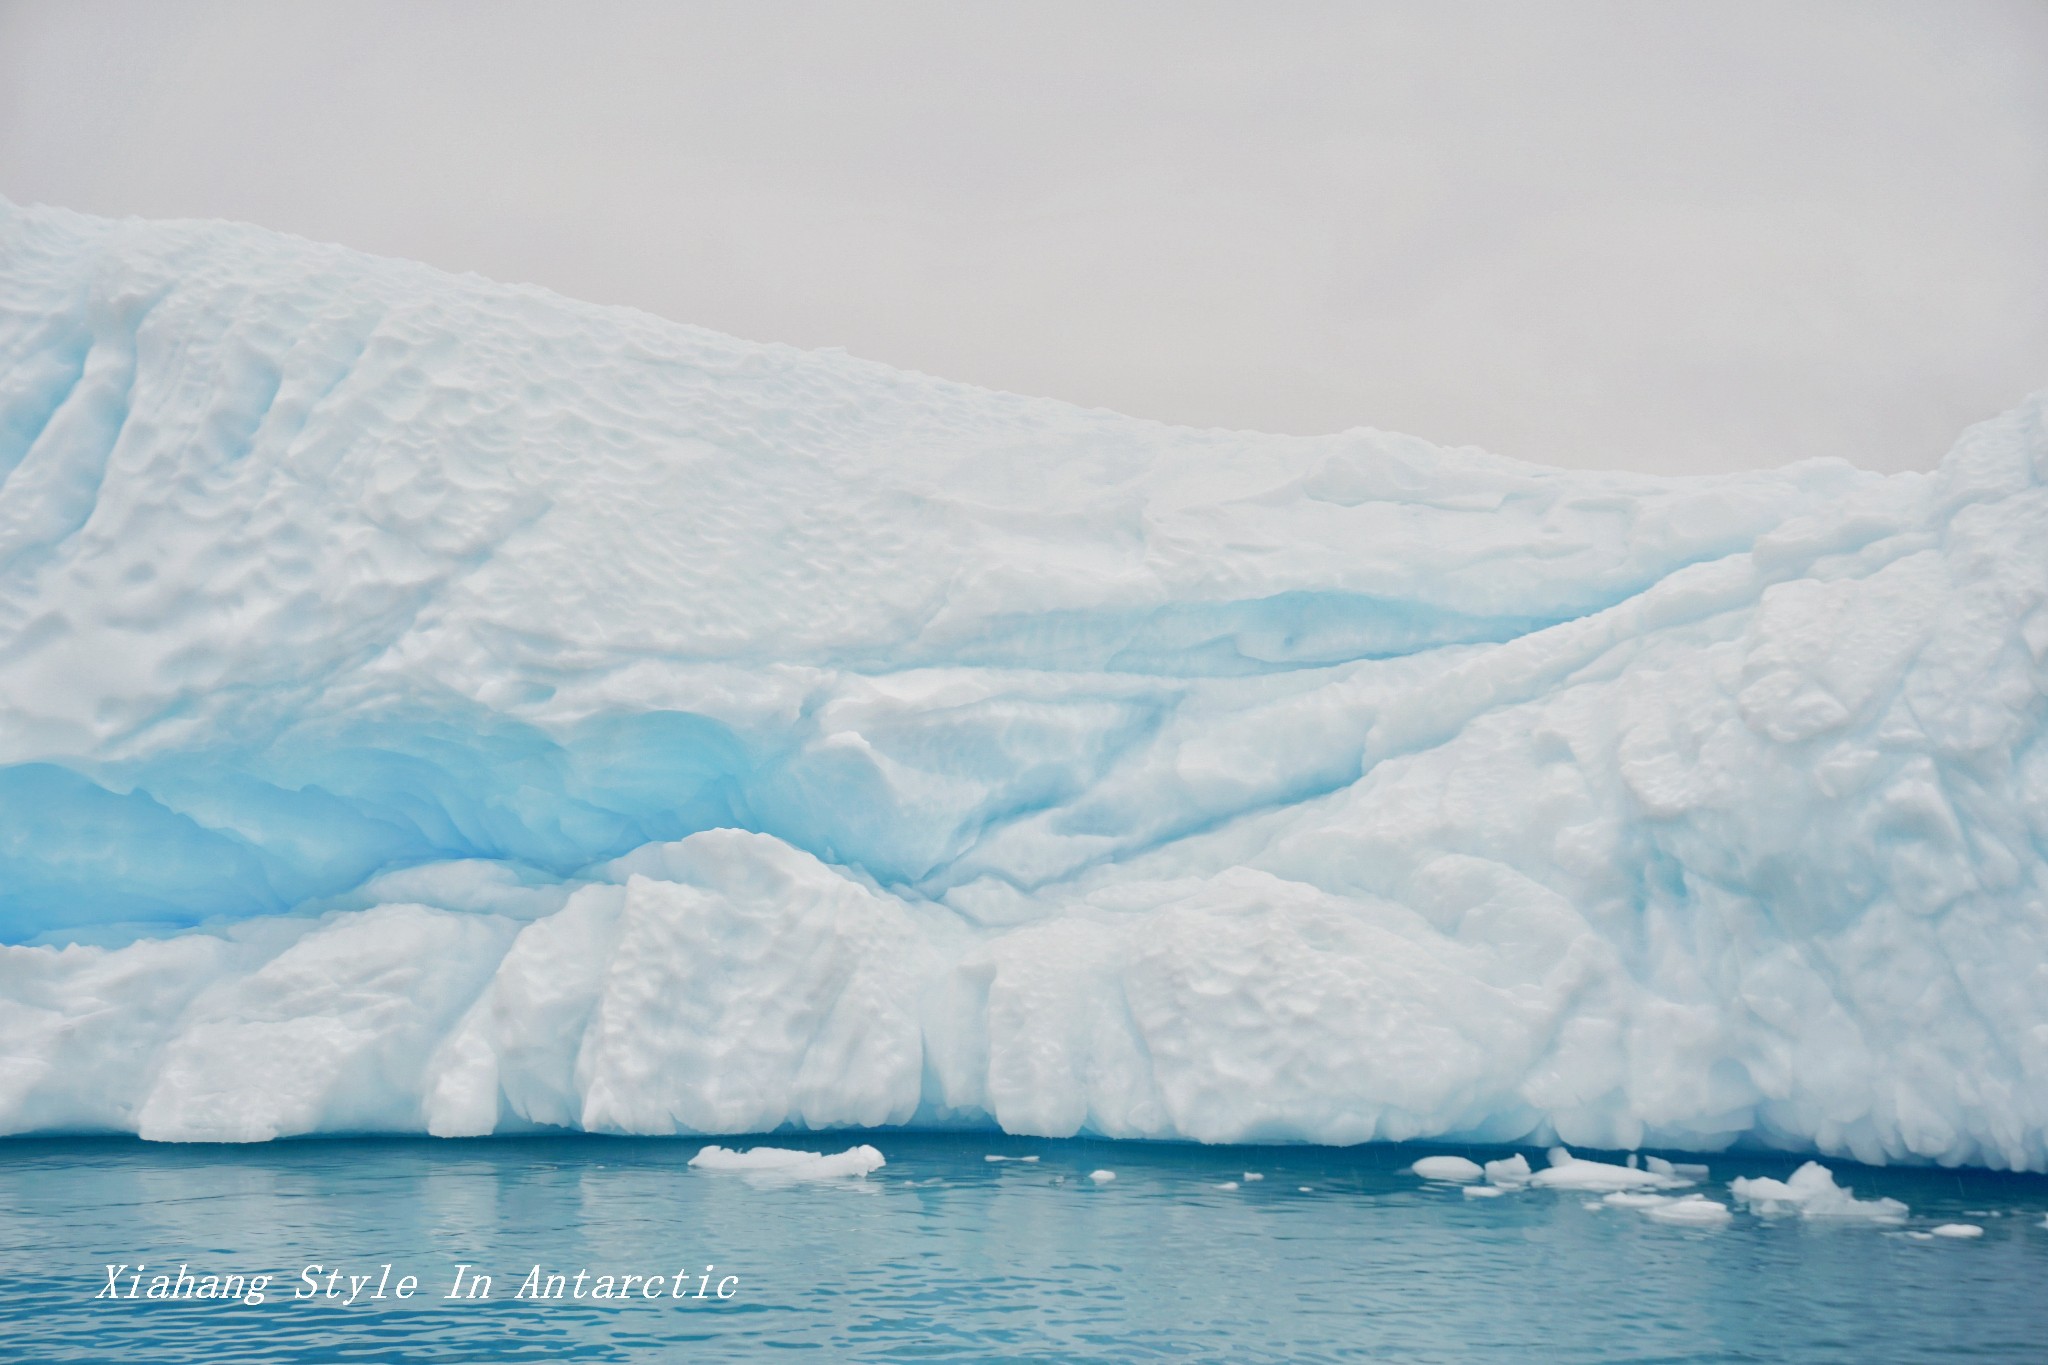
(433, 705)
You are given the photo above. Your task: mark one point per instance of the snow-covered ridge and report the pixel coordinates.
(428, 704)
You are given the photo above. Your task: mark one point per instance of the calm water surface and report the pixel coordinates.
(943, 1255)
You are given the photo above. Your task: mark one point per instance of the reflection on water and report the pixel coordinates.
(1335, 1254)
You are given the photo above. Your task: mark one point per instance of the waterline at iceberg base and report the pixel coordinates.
(434, 706)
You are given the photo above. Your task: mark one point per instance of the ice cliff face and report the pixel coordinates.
(426, 704)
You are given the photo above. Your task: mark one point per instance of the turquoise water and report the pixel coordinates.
(943, 1255)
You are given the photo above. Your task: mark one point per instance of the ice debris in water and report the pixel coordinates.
(1959, 1230)
(1509, 1172)
(1811, 1192)
(782, 1163)
(1447, 1168)
(1567, 1172)
(434, 705)
(1102, 1177)
(1692, 1210)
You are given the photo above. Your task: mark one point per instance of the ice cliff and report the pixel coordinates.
(433, 705)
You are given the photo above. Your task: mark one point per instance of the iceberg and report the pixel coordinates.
(1811, 1192)
(433, 705)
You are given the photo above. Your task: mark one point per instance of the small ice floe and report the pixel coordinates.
(1305, 1189)
(1102, 1177)
(1228, 1185)
(1453, 1168)
(1631, 1199)
(1957, 1230)
(1025, 1159)
(1484, 1191)
(777, 1164)
(1811, 1192)
(1250, 1176)
(1568, 1172)
(1510, 1172)
(1690, 1210)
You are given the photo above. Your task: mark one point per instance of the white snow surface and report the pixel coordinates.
(427, 704)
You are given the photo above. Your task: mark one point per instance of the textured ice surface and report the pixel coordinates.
(426, 704)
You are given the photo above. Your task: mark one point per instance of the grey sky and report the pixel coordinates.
(1681, 236)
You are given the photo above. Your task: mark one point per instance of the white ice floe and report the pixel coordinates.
(1456, 1168)
(429, 705)
(1567, 1172)
(1811, 1192)
(780, 1163)
(1026, 1160)
(1102, 1177)
(1509, 1172)
(1628, 1199)
(1957, 1230)
(1484, 1191)
(1692, 1210)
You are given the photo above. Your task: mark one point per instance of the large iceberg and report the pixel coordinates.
(433, 705)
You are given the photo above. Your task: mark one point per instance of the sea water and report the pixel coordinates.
(1220, 1253)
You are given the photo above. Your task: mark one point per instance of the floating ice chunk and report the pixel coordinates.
(1509, 1171)
(1022, 1159)
(1254, 1175)
(1568, 1172)
(1957, 1230)
(1626, 1199)
(1227, 1185)
(1811, 1192)
(1484, 1191)
(1455, 1168)
(782, 1163)
(1102, 1177)
(1692, 1210)
(1683, 1170)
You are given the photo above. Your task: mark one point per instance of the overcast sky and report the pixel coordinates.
(1675, 237)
